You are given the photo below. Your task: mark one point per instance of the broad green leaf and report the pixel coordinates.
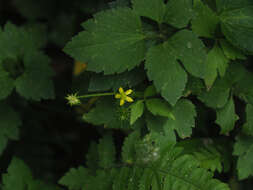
(36, 83)
(107, 44)
(75, 179)
(243, 148)
(6, 83)
(248, 126)
(106, 151)
(100, 82)
(216, 62)
(108, 114)
(136, 111)
(92, 157)
(230, 51)
(224, 5)
(237, 26)
(153, 9)
(168, 76)
(179, 13)
(218, 95)
(190, 50)
(159, 107)
(16, 41)
(185, 113)
(226, 117)
(121, 180)
(18, 176)
(9, 125)
(205, 22)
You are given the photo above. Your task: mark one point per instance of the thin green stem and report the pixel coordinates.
(96, 95)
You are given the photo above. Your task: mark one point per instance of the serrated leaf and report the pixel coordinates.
(244, 149)
(6, 83)
(136, 111)
(153, 9)
(16, 41)
(168, 76)
(75, 179)
(216, 62)
(128, 148)
(237, 26)
(226, 117)
(185, 113)
(18, 176)
(159, 107)
(99, 82)
(190, 50)
(218, 95)
(230, 51)
(178, 13)
(150, 91)
(205, 22)
(106, 151)
(36, 83)
(9, 125)
(107, 44)
(248, 126)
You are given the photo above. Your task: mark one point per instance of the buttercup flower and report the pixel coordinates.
(123, 96)
(73, 99)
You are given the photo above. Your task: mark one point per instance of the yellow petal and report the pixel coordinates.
(128, 99)
(121, 91)
(118, 96)
(128, 92)
(122, 102)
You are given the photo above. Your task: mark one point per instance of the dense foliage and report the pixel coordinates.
(159, 95)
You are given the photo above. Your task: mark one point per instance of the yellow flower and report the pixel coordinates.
(123, 96)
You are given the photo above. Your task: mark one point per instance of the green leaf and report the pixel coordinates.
(248, 126)
(9, 125)
(153, 9)
(205, 22)
(75, 179)
(121, 180)
(107, 44)
(218, 95)
(226, 117)
(18, 176)
(224, 5)
(178, 13)
(92, 157)
(136, 111)
(150, 91)
(106, 151)
(216, 62)
(185, 113)
(159, 107)
(36, 83)
(230, 51)
(168, 76)
(6, 83)
(128, 148)
(190, 50)
(244, 149)
(108, 114)
(16, 41)
(237, 26)
(184, 174)
(99, 82)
